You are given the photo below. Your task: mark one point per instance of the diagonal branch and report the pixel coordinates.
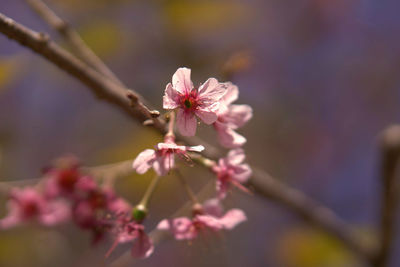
(101, 86)
(106, 89)
(390, 146)
(73, 38)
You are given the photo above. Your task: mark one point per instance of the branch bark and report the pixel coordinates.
(107, 89)
(73, 38)
(390, 147)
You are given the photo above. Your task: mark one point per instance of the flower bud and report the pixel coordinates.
(139, 213)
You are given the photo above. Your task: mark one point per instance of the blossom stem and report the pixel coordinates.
(149, 192)
(171, 125)
(188, 190)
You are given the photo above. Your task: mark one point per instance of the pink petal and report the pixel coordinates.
(164, 225)
(213, 207)
(242, 173)
(186, 123)
(119, 206)
(236, 156)
(228, 137)
(12, 219)
(232, 218)
(210, 221)
(232, 93)
(170, 98)
(222, 188)
(181, 80)
(58, 212)
(144, 161)
(211, 91)
(208, 117)
(181, 228)
(166, 146)
(237, 115)
(198, 148)
(143, 246)
(164, 164)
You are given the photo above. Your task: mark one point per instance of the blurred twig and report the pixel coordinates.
(73, 38)
(5, 186)
(390, 147)
(105, 88)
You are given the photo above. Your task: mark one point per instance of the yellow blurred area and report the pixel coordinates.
(8, 70)
(202, 17)
(306, 247)
(38, 247)
(104, 37)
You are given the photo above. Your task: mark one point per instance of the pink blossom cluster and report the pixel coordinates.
(212, 103)
(67, 194)
(64, 195)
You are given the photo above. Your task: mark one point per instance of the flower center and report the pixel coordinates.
(188, 103)
(30, 209)
(67, 179)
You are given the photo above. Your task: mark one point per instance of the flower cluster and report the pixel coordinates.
(211, 102)
(66, 193)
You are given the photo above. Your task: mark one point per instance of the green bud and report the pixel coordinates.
(139, 213)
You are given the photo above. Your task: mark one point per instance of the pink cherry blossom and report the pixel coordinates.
(209, 217)
(231, 170)
(190, 102)
(62, 182)
(231, 117)
(127, 230)
(162, 159)
(28, 204)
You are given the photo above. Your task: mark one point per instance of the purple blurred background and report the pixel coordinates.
(322, 77)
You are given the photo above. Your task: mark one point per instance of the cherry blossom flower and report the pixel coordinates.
(28, 204)
(62, 182)
(127, 230)
(90, 210)
(231, 117)
(209, 217)
(231, 170)
(162, 158)
(190, 102)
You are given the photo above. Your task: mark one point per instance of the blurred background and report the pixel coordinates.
(322, 77)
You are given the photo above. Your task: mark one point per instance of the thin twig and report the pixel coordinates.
(390, 147)
(73, 38)
(107, 89)
(157, 236)
(101, 86)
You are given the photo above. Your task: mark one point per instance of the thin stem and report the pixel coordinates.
(72, 37)
(188, 190)
(149, 191)
(171, 125)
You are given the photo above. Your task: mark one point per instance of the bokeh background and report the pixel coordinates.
(322, 77)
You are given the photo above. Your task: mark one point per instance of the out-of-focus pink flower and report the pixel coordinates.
(231, 117)
(190, 102)
(127, 230)
(162, 159)
(62, 182)
(231, 170)
(27, 205)
(209, 217)
(92, 204)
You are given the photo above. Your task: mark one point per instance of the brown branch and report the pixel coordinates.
(107, 89)
(101, 86)
(73, 38)
(390, 147)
